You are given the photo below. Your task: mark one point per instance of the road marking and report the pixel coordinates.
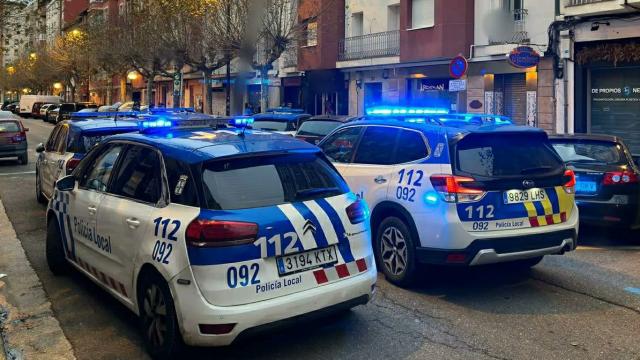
(590, 248)
(609, 248)
(633, 290)
(19, 173)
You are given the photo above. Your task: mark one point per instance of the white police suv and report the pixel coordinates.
(208, 233)
(447, 191)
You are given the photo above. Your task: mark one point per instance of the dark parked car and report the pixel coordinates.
(35, 110)
(607, 179)
(13, 107)
(64, 111)
(317, 127)
(13, 140)
(51, 113)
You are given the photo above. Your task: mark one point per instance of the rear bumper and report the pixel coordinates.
(502, 249)
(609, 213)
(13, 150)
(194, 310)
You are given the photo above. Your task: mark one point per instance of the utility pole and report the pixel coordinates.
(228, 58)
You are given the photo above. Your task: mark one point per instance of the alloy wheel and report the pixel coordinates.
(155, 316)
(394, 250)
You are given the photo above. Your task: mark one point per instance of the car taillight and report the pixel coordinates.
(619, 178)
(71, 165)
(213, 233)
(452, 188)
(357, 212)
(569, 182)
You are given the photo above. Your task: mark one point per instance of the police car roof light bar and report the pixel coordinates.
(404, 111)
(171, 110)
(93, 115)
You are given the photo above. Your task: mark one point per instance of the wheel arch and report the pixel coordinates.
(147, 269)
(386, 209)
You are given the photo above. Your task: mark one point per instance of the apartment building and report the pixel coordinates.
(597, 45)
(13, 32)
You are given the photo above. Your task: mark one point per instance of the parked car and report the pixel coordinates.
(13, 139)
(43, 111)
(27, 102)
(280, 120)
(12, 107)
(317, 127)
(463, 195)
(607, 178)
(67, 144)
(65, 110)
(35, 112)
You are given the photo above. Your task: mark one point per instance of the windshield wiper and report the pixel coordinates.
(318, 191)
(540, 169)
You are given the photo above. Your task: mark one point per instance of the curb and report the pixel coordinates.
(28, 327)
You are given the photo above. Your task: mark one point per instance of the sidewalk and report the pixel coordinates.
(28, 328)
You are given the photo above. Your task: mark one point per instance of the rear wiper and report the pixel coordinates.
(318, 191)
(540, 169)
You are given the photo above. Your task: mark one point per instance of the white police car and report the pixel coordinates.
(208, 233)
(449, 192)
(68, 142)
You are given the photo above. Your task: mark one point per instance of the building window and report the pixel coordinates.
(393, 17)
(422, 13)
(357, 24)
(312, 33)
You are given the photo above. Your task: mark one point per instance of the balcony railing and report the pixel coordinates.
(370, 46)
(583, 2)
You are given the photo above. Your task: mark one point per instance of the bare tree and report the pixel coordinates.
(70, 55)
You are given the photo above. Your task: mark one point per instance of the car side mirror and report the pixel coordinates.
(40, 148)
(67, 183)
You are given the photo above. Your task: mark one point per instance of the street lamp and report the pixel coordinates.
(11, 70)
(57, 86)
(132, 75)
(33, 56)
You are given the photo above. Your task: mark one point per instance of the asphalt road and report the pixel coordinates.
(584, 305)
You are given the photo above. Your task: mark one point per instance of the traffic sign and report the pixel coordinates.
(458, 67)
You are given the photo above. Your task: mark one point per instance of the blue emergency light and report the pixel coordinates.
(159, 123)
(404, 111)
(241, 121)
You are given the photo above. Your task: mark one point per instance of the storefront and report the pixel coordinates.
(608, 94)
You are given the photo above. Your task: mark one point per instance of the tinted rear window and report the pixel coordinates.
(272, 125)
(587, 151)
(82, 143)
(67, 107)
(269, 180)
(506, 155)
(9, 126)
(318, 128)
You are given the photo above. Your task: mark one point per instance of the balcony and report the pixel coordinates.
(593, 7)
(383, 44)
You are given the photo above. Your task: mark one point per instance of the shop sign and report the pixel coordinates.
(292, 81)
(433, 85)
(458, 67)
(616, 94)
(524, 57)
(457, 85)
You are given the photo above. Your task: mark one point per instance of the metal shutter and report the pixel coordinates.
(515, 97)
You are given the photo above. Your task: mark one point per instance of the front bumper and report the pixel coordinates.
(13, 150)
(192, 309)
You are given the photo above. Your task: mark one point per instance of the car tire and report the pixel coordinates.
(24, 159)
(395, 251)
(56, 258)
(154, 296)
(526, 264)
(39, 195)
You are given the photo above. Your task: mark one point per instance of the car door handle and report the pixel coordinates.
(92, 210)
(380, 180)
(133, 222)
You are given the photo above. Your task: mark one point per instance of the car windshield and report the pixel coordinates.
(271, 125)
(506, 155)
(231, 184)
(9, 126)
(588, 151)
(85, 142)
(318, 128)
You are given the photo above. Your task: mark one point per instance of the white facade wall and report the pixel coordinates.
(53, 25)
(15, 35)
(374, 13)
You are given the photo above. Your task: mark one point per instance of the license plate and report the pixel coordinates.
(523, 196)
(586, 186)
(307, 260)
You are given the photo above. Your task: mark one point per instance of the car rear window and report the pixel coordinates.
(589, 151)
(506, 155)
(272, 125)
(9, 126)
(67, 107)
(84, 142)
(318, 128)
(269, 180)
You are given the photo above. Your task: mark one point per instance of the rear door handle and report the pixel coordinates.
(133, 222)
(92, 210)
(380, 180)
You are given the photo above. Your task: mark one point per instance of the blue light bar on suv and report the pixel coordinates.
(241, 121)
(171, 110)
(162, 122)
(95, 115)
(404, 111)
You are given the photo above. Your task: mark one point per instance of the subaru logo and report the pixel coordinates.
(528, 184)
(309, 226)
